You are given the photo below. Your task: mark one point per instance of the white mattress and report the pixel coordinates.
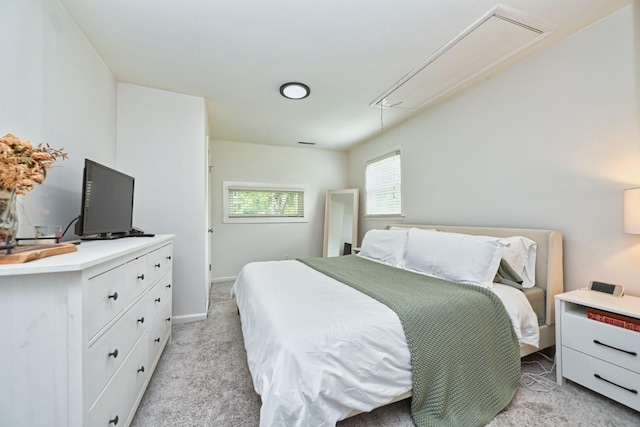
(318, 349)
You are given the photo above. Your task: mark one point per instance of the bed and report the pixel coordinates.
(320, 350)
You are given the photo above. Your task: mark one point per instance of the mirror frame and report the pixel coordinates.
(327, 223)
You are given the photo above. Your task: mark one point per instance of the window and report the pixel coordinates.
(257, 202)
(383, 185)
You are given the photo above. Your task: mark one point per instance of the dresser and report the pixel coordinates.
(83, 332)
(598, 355)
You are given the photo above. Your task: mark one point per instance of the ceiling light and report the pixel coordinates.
(293, 90)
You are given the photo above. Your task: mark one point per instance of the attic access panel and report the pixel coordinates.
(494, 38)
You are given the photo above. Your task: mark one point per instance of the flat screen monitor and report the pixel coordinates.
(107, 202)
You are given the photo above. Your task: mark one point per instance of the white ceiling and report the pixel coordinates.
(236, 54)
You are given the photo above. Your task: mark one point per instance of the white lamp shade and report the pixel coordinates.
(632, 211)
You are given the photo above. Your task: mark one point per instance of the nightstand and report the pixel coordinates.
(597, 355)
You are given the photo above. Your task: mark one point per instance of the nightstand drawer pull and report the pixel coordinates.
(115, 420)
(630, 390)
(632, 353)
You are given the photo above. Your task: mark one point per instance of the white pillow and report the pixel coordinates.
(453, 256)
(521, 256)
(387, 246)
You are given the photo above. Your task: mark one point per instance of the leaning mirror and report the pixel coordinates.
(340, 222)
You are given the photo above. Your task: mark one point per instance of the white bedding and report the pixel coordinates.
(318, 349)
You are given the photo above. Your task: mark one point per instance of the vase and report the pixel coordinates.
(8, 219)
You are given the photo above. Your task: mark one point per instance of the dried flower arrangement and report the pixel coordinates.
(22, 166)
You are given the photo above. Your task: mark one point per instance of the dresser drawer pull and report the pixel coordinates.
(114, 353)
(632, 353)
(630, 390)
(157, 300)
(114, 296)
(157, 265)
(114, 421)
(168, 319)
(141, 320)
(141, 369)
(157, 339)
(169, 257)
(141, 277)
(169, 285)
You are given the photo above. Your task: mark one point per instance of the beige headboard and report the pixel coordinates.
(549, 272)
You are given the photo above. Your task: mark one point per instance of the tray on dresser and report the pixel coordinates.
(26, 253)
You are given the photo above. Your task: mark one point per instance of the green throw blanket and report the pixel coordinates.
(465, 356)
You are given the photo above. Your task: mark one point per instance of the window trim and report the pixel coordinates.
(394, 152)
(261, 186)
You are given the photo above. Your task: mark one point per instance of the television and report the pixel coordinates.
(107, 203)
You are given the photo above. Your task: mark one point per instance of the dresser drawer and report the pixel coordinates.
(610, 380)
(137, 274)
(607, 342)
(106, 297)
(159, 262)
(110, 292)
(111, 349)
(158, 295)
(159, 332)
(115, 404)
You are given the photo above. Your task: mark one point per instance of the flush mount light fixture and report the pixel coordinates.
(294, 90)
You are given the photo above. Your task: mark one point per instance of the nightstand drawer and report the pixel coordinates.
(612, 381)
(610, 343)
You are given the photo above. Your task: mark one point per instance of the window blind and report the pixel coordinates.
(383, 185)
(257, 203)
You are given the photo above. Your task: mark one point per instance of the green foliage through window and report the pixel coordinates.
(248, 203)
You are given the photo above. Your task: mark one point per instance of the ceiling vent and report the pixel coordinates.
(492, 39)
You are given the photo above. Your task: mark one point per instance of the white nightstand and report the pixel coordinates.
(597, 355)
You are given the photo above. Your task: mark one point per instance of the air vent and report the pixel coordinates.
(492, 39)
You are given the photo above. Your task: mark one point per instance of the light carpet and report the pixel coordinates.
(203, 380)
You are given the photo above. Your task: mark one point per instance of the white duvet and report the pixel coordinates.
(318, 349)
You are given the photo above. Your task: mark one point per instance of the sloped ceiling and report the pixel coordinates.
(237, 53)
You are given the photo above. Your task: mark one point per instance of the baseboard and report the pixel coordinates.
(223, 279)
(189, 318)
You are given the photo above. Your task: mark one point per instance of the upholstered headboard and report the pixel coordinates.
(549, 270)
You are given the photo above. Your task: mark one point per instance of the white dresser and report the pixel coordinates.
(597, 355)
(82, 332)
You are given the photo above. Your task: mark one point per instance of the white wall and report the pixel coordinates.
(550, 143)
(162, 143)
(54, 88)
(234, 245)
